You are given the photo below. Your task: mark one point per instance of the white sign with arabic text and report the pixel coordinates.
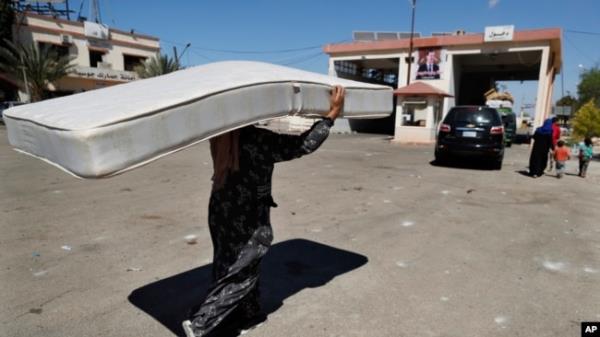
(499, 33)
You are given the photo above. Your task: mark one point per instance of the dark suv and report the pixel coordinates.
(471, 131)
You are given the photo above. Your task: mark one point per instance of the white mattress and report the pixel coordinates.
(107, 131)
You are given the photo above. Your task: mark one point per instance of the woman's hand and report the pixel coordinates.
(336, 102)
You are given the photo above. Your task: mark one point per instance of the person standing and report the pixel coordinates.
(555, 138)
(586, 152)
(561, 155)
(239, 219)
(542, 142)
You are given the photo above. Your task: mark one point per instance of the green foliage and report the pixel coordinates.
(587, 121)
(156, 66)
(40, 66)
(567, 100)
(589, 86)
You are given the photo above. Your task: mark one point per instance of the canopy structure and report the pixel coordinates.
(420, 89)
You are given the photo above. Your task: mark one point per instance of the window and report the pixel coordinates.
(131, 61)
(346, 67)
(414, 114)
(95, 57)
(59, 50)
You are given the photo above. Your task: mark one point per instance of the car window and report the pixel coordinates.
(475, 115)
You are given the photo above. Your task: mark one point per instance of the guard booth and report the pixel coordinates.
(419, 112)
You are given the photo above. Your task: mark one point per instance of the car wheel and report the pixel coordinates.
(440, 159)
(497, 164)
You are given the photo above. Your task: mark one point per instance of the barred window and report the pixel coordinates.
(346, 67)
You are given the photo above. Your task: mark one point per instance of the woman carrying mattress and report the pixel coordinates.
(239, 219)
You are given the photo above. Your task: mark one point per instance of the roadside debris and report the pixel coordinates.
(191, 239)
(65, 247)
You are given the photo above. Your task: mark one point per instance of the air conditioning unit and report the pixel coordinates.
(104, 65)
(66, 39)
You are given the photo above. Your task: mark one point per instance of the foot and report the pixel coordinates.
(187, 328)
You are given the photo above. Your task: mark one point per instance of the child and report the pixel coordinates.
(561, 155)
(586, 153)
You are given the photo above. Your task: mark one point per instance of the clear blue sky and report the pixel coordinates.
(266, 25)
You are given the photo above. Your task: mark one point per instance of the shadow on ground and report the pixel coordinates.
(465, 164)
(288, 268)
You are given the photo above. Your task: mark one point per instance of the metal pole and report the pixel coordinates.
(25, 80)
(181, 55)
(175, 55)
(67, 4)
(410, 49)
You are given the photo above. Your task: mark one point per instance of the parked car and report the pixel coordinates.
(471, 131)
(5, 105)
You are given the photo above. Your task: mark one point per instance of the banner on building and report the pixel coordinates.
(429, 64)
(96, 30)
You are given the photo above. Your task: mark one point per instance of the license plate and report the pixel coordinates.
(470, 134)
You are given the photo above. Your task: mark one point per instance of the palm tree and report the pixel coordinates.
(156, 66)
(34, 66)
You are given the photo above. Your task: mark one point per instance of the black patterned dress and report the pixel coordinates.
(239, 221)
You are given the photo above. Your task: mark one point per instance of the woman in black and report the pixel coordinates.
(239, 217)
(542, 142)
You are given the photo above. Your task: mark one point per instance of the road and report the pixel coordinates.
(370, 240)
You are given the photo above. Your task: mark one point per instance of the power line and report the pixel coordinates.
(300, 59)
(582, 32)
(201, 56)
(234, 51)
(280, 51)
(577, 49)
(304, 60)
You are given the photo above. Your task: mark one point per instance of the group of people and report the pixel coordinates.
(549, 150)
(240, 204)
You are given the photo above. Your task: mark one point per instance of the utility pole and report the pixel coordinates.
(22, 66)
(95, 11)
(412, 32)
(178, 56)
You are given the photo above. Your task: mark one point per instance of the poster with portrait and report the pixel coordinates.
(429, 64)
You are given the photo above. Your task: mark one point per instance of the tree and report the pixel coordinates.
(156, 66)
(587, 120)
(567, 100)
(34, 66)
(589, 86)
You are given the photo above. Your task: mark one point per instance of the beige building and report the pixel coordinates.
(102, 56)
(453, 69)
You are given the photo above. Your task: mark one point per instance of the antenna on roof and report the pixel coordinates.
(95, 11)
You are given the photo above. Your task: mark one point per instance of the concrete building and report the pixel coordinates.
(450, 69)
(102, 56)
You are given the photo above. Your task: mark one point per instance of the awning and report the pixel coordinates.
(420, 89)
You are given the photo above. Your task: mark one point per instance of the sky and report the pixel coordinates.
(293, 32)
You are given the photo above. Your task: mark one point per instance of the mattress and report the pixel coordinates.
(104, 132)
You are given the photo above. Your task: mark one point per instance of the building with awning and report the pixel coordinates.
(458, 68)
(103, 56)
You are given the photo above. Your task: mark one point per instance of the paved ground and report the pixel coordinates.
(371, 240)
